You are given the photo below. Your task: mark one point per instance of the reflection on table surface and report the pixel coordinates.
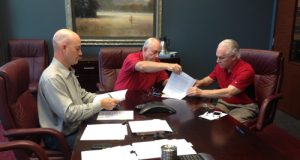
(220, 138)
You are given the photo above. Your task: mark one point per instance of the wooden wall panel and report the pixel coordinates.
(286, 10)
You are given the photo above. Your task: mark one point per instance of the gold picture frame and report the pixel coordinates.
(107, 22)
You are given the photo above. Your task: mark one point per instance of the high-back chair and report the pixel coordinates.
(36, 52)
(268, 66)
(110, 62)
(18, 110)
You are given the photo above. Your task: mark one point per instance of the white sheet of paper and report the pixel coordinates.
(104, 132)
(212, 116)
(114, 153)
(152, 149)
(115, 115)
(119, 95)
(149, 126)
(177, 85)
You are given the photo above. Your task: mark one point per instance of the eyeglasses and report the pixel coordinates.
(222, 58)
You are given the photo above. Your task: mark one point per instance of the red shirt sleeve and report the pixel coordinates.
(243, 78)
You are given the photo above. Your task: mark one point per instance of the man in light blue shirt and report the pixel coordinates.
(62, 103)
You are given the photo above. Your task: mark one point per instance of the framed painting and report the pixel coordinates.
(114, 22)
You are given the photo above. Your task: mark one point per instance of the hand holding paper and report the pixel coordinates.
(119, 95)
(177, 85)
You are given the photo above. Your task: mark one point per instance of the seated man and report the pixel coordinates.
(142, 70)
(62, 103)
(234, 77)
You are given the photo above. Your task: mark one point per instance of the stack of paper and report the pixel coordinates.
(115, 115)
(177, 85)
(152, 149)
(212, 115)
(119, 95)
(149, 126)
(114, 153)
(104, 132)
(140, 150)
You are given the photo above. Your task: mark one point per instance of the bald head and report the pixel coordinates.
(67, 47)
(63, 36)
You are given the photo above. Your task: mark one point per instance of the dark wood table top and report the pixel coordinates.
(220, 138)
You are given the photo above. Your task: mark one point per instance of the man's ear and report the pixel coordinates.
(145, 48)
(63, 46)
(235, 57)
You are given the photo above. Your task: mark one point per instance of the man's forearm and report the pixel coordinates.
(220, 93)
(149, 66)
(206, 81)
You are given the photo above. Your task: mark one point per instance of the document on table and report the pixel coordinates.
(177, 85)
(152, 149)
(212, 115)
(149, 126)
(114, 153)
(115, 115)
(116, 131)
(119, 95)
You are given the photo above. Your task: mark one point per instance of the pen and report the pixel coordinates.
(124, 122)
(239, 130)
(110, 95)
(118, 105)
(133, 152)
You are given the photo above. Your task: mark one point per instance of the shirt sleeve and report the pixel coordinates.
(66, 107)
(243, 79)
(130, 62)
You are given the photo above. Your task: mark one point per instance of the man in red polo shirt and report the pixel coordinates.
(234, 77)
(142, 70)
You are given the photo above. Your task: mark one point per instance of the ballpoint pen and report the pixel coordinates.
(118, 105)
(239, 130)
(124, 122)
(110, 96)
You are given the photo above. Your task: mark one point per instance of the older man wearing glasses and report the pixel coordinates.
(235, 78)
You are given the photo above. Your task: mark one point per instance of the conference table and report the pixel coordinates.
(220, 138)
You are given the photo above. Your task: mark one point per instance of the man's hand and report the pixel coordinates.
(194, 91)
(173, 67)
(206, 81)
(198, 83)
(109, 103)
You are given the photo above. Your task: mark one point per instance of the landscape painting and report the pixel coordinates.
(114, 22)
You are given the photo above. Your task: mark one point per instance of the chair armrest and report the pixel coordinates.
(264, 108)
(42, 131)
(251, 124)
(24, 144)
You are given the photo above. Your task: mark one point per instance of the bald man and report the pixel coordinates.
(234, 77)
(142, 70)
(62, 103)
